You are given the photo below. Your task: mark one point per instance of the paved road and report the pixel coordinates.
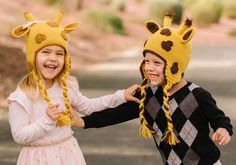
(212, 68)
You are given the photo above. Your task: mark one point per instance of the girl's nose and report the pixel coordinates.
(52, 57)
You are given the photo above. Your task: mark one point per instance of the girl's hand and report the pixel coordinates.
(221, 136)
(76, 120)
(53, 112)
(130, 91)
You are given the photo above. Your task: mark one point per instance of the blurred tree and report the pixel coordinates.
(230, 8)
(158, 8)
(206, 12)
(106, 21)
(118, 5)
(80, 4)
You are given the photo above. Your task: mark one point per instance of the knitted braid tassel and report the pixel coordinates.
(65, 118)
(145, 130)
(170, 136)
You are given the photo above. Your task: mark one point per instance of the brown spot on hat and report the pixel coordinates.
(165, 32)
(40, 37)
(174, 68)
(166, 45)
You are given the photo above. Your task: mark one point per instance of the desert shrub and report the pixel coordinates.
(230, 8)
(206, 12)
(106, 2)
(233, 32)
(118, 5)
(52, 2)
(188, 3)
(158, 8)
(106, 21)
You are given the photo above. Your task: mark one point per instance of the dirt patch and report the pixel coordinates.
(12, 66)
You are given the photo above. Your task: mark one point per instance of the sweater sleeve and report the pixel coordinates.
(124, 112)
(23, 131)
(214, 114)
(87, 105)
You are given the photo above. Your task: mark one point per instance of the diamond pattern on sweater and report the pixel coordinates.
(188, 133)
(188, 105)
(158, 135)
(153, 107)
(192, 87)
(173, 158)
(191, 158)
(173, 106)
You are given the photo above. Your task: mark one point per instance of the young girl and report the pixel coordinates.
(175, 112)
(39, 109)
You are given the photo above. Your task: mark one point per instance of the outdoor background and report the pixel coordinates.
(106, 52)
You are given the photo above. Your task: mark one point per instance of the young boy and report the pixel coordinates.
(175, 112)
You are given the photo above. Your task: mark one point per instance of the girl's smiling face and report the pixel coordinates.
(50, 62)
(154, 67)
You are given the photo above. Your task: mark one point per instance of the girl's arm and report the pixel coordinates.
(22, 130)
(87, 105)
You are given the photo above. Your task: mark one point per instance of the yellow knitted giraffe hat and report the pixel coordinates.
(173, 46)
(39, 34)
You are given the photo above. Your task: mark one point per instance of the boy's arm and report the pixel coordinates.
(124, 112)
(215, 115)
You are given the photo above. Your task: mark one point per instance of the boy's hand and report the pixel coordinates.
(221, 136)
(76, 120)
(130, 91)
(53, 112)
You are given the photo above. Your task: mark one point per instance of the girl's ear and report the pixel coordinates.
(70, 27)
(187, 35)
(152, 26)
(19, 31)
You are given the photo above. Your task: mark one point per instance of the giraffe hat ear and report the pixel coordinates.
(71, 27)
(152, 26)
(187, 35)
(19, 31)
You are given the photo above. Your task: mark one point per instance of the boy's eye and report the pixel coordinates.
(146, 61)
(157, 63)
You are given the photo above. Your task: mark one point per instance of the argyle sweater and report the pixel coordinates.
(192, 110)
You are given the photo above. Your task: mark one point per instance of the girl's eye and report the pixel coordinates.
(60, 54)
(45, 52)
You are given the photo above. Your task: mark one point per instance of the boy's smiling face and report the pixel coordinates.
(154, 67)
(50, 61)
